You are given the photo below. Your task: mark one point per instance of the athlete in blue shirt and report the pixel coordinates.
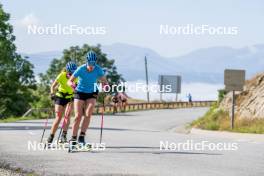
(85, 94)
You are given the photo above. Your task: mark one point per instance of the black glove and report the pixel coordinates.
(52, 96)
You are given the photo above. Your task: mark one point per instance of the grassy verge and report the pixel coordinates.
(217, 119)
(44, 116)
(14, 119)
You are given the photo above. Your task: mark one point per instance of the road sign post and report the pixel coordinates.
(174, 81)
(234, 81)
(161, 81)
(233, 110)
(147, 80)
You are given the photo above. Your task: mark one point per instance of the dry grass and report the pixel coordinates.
(217, 119)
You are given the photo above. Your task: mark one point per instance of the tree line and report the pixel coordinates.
(19, 89)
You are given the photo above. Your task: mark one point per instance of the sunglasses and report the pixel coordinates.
(91, 63)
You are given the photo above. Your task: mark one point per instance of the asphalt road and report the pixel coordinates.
(133, 143)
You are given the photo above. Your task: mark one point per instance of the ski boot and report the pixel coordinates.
(73, 144)
(63, 138)
(49, 141)
(81, 140)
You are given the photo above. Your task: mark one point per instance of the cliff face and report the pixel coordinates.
(250, 102)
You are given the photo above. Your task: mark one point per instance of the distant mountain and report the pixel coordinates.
(130, 61)
(203, 65)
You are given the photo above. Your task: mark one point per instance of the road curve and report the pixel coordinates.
(133, 148)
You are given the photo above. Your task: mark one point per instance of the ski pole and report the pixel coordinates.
(64, 120)
(45, 126)
(102, 124)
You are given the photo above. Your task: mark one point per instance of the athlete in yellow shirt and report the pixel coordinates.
(62, 94)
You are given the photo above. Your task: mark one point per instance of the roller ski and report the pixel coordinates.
(79, 145)
(63, 142)
(50, 144)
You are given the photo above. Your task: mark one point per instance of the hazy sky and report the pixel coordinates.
(137, 22)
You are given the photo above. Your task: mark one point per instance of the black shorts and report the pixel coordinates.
(62, 101)
(85, 96)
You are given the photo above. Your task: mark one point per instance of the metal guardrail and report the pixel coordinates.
(151, 106)
(109, 108)
(40, 113)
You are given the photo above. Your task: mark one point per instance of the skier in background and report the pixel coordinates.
(189, 98)
(115, 100)
(122, 97)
